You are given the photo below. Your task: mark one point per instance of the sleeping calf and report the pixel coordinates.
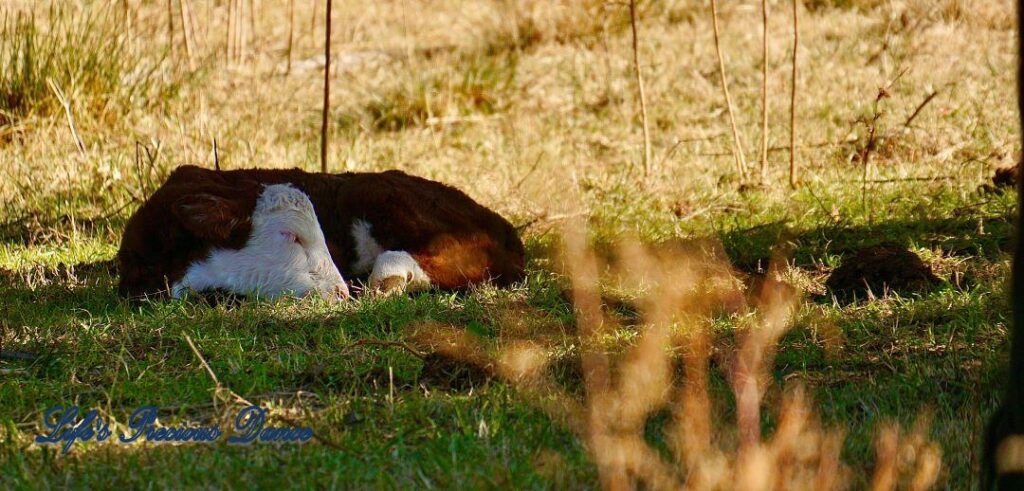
(391, 229)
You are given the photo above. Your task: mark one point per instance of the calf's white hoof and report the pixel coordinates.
(397, 271)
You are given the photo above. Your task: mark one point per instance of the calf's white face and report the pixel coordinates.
(286, 254)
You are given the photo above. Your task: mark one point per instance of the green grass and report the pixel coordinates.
(474, 87)
(82, 53)
(937, 354)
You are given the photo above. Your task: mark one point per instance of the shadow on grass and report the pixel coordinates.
(68, 323)
(61, 289)
(969, 235)
(883, 373)
(32, 229)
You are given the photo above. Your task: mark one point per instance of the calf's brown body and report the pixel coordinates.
(456, 241)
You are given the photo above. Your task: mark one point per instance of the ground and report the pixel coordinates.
(904, 111)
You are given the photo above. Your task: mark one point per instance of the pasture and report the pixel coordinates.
(904, 110)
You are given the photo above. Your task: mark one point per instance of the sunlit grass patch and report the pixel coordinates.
(81, 55)
(477, 86)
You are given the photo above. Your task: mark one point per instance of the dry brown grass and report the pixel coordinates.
(567, 102)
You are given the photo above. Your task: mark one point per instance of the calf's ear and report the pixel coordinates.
(211, 217)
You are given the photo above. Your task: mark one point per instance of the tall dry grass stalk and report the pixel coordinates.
(241, 33)
(640, 89)
(327, 90)
(764, 88)
(793, 178)
(312, 25)
(253, 29)
(681, 293)
(291, 34)
(188, 32)
(170, 27)
(737, 145)
(236, 37)
(229, 39)
(66, 105)
(129, 22)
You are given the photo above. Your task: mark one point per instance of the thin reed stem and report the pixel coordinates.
(240, 31)
(253, 8)
(327, 90)
(250, 35)
(170, 26)
(312, 25)
(190, 15)
(793, 179)
(640, 89)
(184, 11)
(129, 24)
(291, 34)
(229, 50)
(66, 104)
(764, 88)
(737, 151)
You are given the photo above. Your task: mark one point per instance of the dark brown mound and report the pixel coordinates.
(882, 268)
(1005, 177)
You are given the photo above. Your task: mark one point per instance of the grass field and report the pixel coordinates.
(531, 108)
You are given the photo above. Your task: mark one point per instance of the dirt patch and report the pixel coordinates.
(876, 270)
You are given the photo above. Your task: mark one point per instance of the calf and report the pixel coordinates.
(394, 230)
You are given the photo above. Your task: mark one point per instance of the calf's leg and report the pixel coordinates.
(397, 271)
